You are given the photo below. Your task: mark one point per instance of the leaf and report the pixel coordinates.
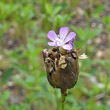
(99, 9)
(106, 19)
(95, 32)
(4, 96)
(57, 10)
(49, 9)
(6, 75)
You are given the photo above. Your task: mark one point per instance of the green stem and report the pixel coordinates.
(63, 96)
(62, 101)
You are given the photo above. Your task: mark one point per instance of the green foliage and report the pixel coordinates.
(106, 21)
(3, 28)
(6, 10)
(6, 75)
(54, 16)
(85, 36)
(4, 97)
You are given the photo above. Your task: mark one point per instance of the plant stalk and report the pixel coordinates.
(63, 96)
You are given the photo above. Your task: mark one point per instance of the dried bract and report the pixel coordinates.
(62, 68)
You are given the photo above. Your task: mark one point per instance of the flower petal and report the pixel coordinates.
(52, 43)
(70, 36)
(52, 35)
(72, 41)
(63, 32)
(67, 46)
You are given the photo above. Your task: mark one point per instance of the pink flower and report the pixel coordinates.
(63, 40)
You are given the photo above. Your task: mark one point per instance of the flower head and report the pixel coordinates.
(63, 40)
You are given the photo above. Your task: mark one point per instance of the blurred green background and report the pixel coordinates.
(23, 28)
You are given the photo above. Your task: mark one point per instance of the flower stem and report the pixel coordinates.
(63, 96)
(62, 101)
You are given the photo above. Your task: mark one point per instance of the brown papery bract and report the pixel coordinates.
(62, 68)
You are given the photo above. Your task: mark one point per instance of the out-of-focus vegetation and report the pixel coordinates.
(23, 28)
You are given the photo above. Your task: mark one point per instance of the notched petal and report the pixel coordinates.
(67, 46)
(52, 43)
(63, 32)
(52, 35)
(71, 36)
